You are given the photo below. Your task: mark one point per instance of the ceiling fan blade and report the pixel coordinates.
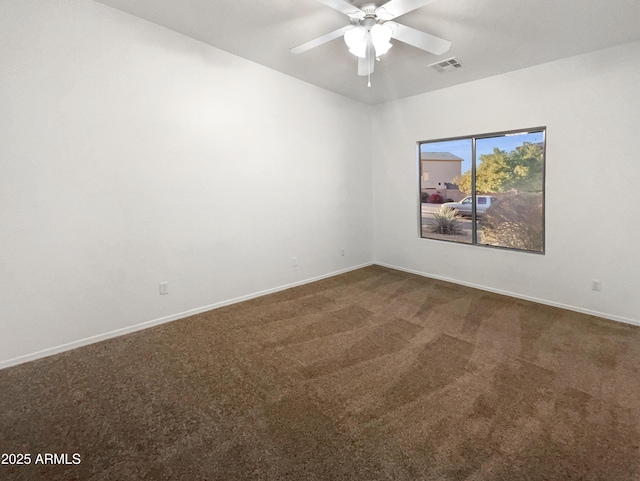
(319, 41)
(421, 40)
(395, 8)
(345, 7)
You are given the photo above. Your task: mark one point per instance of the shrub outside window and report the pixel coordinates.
(484, 189)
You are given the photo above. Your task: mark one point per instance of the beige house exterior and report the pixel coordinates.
(438, 169)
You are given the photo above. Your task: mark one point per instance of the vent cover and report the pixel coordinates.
(446, 65)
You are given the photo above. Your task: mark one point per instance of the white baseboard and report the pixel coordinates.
(155, 322)
(181, 315)
(625, 320)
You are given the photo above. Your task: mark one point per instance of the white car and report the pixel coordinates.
(464, 207)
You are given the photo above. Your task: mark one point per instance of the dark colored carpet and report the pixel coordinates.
(371, 375)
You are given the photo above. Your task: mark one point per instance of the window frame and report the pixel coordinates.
(504, 133)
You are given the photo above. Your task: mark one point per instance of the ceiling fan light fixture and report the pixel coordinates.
(356, 39)
(380, 36)
(382, 14)
(361, 51)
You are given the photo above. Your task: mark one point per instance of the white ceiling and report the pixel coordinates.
(489, 37)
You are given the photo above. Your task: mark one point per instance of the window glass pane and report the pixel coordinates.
(510, 169)
(486, 189)
(441, 167)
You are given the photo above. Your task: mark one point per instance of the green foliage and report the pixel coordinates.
(444, 221)
(527, 167)
(515, 221)
(463, 182)
(520, 170)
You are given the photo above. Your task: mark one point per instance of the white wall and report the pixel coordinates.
(591, 107)
(131, 155)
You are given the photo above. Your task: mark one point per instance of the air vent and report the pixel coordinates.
(446, 65)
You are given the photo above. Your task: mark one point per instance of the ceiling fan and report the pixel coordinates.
(371, 29)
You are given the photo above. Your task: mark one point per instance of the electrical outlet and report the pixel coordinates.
(596, 285)
(342, 251)
(164, 288)
(294, 261)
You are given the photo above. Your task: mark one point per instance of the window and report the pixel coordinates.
(485, 189)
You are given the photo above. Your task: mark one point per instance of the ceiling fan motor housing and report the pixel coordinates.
(369, 9)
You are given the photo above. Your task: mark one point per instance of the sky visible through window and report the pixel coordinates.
(462, 148)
